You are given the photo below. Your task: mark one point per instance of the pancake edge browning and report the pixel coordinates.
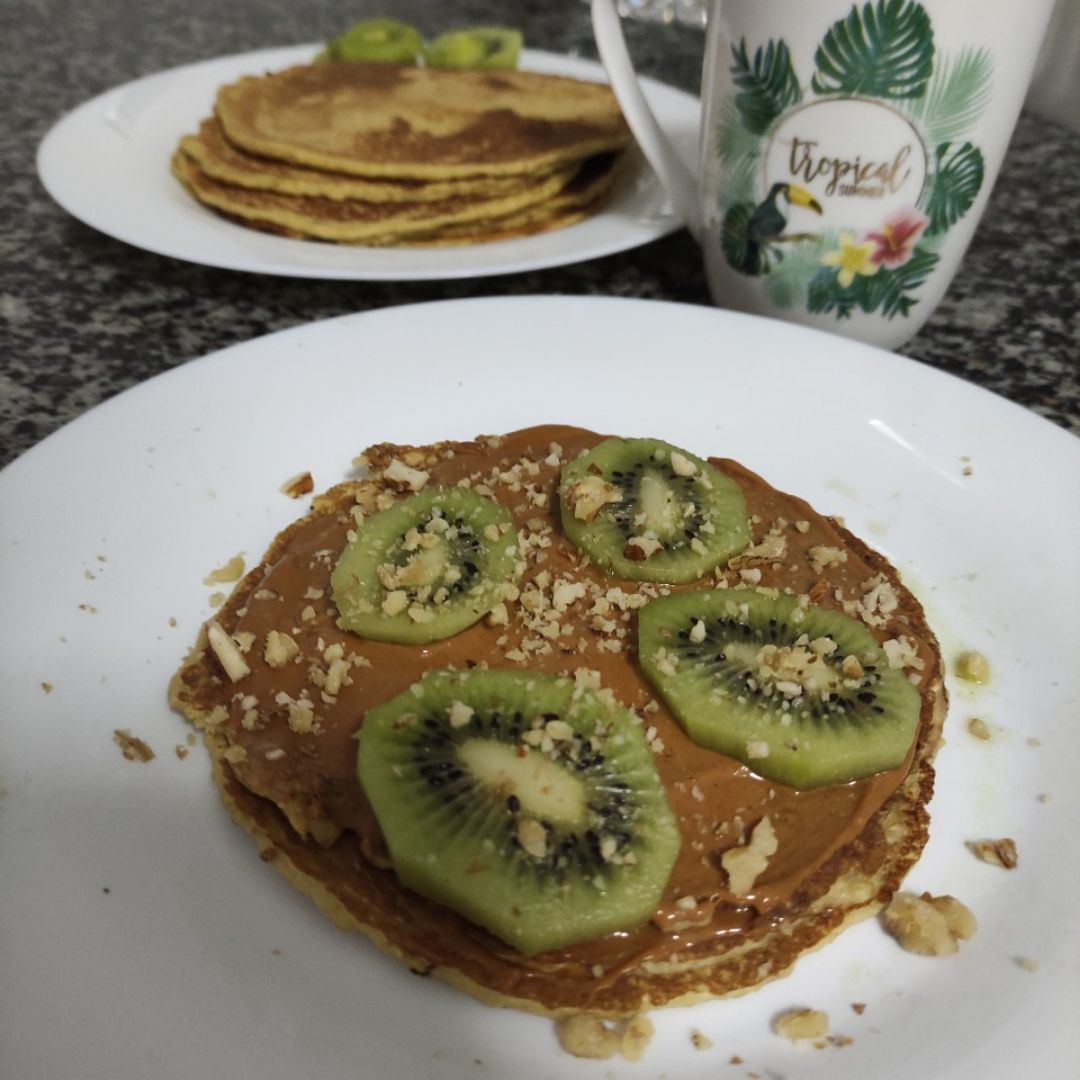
(855, 883)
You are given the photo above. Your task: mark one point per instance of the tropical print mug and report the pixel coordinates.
(847, 149)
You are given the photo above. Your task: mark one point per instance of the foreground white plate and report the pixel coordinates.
(107, 163)
(143, 938)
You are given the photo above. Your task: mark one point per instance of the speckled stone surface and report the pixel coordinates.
(83, 316)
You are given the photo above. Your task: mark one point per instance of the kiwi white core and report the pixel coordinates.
(545, 789)
(658, 504)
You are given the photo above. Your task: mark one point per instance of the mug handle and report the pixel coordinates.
(677, 179)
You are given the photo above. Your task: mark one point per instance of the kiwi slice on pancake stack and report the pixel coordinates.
(426, 568)
(527, 804)
(387, 41)
(645, 510)
(478, 47)
(800, 695)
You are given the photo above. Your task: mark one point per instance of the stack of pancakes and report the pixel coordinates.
(382, 154)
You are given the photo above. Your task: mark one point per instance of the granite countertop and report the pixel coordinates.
(83, 316)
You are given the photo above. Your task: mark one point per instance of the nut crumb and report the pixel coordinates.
(973, 667)
(298, 486)
(700, 1041)
(233, 570)
(802, 1024)
(181, 751)
(745, 864)
(996, 852)
(132, 747)
(1026, 963)
(928, 925)
(47, 687)
(978, 727)
(587, 1036)
(858, 1007)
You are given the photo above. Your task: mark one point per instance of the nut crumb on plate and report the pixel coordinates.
(132, 747)
(802, 1024)
(928, 925)
(1000, 852)
(587, 1036)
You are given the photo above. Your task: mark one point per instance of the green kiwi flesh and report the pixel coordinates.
(645, 510)
(768, 682)
(385, 41)
(527, 804)
(479, 47)
(426, 568)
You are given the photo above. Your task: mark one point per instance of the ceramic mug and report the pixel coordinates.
(847, 149)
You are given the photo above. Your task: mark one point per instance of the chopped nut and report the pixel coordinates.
(233, 570)
(298, 486)
(928, 925)
(636, 1037)
(640, 548)
(745, 864)
(460, 714)
(589, 495)
(132, 747)
(403, 476)
(700, 1041)
(823, 556)
(978, 728)
(587, 1036)
(996, 852)
(973, 667)
(802, 1024)
(280, 649)
(227, 652)
(1027, 963)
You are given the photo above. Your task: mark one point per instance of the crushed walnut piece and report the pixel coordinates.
(979, 728)
(296, 487)
(700, 1041)
(745, 864)
(798, 1024)
(132, 747)
(973, 667)
(233, 570)
(404, 477)
(928, 925)
(996, 852)
(587, 1036)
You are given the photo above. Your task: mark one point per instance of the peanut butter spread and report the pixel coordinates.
(290, 722)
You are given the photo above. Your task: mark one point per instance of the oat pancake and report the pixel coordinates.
(355, 220)
(222, 161)
(414, 123)
(558, 199)
(288, 775)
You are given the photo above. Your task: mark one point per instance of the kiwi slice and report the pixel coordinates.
(529, 805)
(800, 695)
(426, 568)
(645, 510)
(385, 41)
(482, 47)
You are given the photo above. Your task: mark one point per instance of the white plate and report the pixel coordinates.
(174, 972)
(107, 163)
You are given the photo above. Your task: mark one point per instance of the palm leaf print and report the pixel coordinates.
(957, 178)
(766, 85)
(956, 95)
(885, 50)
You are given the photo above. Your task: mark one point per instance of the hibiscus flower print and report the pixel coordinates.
(896, 241)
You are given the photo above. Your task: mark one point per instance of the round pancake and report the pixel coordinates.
(352, 220)
(451, 221)
(843, 849)
(219, 159)
(416, 123)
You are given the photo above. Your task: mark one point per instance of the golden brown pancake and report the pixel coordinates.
(222, 161)
(416, 123)
(290, 780)
(558, 199)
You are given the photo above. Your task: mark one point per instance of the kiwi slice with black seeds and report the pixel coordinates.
(799, 694)
(427, 567)
(387, 41)
(478, 47)
(527, 804)
(645, 510)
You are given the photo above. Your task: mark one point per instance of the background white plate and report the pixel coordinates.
(175, 972)
(107, 163)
